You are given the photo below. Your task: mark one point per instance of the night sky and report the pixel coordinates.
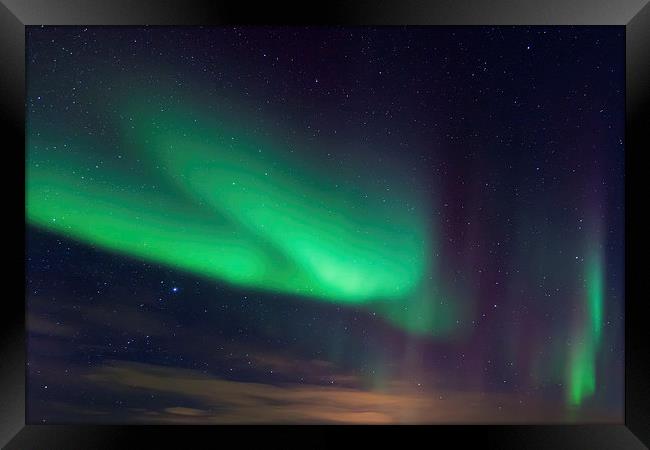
(325, 225)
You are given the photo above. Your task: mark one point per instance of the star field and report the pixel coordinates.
(325, 225)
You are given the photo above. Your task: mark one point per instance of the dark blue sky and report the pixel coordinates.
(517, 133)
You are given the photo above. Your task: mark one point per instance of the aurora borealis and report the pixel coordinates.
(242, 218)
(325, 225)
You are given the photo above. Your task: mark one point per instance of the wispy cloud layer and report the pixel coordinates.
(218, 400)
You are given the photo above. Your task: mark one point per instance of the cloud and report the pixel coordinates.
(229, 401)
(211, 400)
(47, 327)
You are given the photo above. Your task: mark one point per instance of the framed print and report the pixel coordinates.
(336, 218)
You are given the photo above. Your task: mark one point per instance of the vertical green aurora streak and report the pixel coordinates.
(582, 364)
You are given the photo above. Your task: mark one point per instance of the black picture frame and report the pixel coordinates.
(634, 15)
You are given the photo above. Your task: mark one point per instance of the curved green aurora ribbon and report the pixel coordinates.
(187, 191)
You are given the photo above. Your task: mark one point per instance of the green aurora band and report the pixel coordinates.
(582, 360)
(190, 192)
